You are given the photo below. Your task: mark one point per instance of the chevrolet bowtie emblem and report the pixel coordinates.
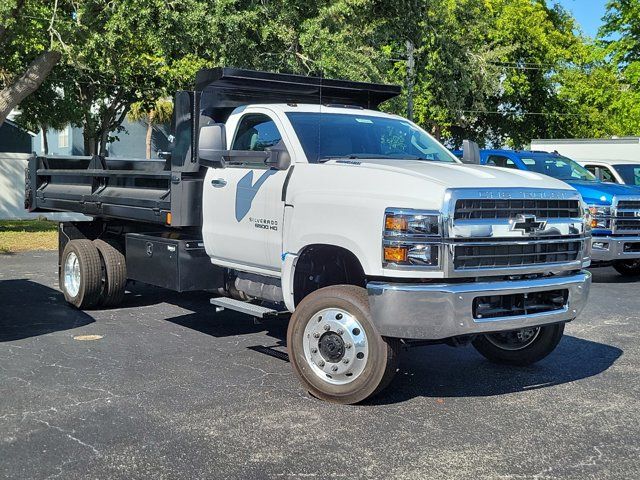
(527, 223)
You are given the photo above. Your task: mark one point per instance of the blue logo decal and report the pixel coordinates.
(247, 191)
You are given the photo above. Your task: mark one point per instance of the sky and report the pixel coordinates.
(588, 13)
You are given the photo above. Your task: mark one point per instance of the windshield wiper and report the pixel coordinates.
(356, 156)
(338, 157)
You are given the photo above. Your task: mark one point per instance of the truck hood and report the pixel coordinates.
(458, 175)
(601, 193)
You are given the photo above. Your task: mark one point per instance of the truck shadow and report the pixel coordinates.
(435, 371)
(29, 309)
(444, 372)
(609, 275)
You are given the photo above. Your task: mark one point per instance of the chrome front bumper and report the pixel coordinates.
(613, 248)
(438, 311)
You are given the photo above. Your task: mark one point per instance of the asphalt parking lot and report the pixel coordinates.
(166, 388)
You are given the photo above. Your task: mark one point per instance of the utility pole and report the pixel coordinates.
(410, 79)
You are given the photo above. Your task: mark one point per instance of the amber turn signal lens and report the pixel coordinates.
(594, 223)
(169, 218)
(395, 254)
(395, 223)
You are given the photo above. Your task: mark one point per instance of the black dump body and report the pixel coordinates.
(169, 192)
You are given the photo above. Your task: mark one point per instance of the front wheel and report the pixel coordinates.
(628, 268)
(520, 347)
(335, 349)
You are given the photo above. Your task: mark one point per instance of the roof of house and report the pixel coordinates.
(15, 125)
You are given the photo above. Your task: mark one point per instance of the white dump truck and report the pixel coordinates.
(294, 197)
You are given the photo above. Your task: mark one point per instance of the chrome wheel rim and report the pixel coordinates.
(514, 339)
(72, 274)
(335, 346)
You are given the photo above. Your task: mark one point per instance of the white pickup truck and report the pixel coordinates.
(292, 196)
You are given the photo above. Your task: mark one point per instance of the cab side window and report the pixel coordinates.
(500, 161)
(607, 175)
(255, 133)
(602, 173)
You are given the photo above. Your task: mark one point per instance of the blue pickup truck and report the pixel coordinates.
(615, 209)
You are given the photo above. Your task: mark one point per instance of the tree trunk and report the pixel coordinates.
(88, 142)
(436, 131)
(45, 140)
(101, 148)
(27, 83)
(149, 133)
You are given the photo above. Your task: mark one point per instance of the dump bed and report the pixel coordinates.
(129, 189)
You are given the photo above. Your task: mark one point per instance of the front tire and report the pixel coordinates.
(81, 274)
(628, 268)
(519, 347)
(335, 349)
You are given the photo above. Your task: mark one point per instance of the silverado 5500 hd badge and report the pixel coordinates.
(264, 223)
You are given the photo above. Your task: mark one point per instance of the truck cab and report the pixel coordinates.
(614, 208)
(624, 172)
(296, 197)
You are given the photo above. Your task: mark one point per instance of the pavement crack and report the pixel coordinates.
(70, 436)
(591, 460)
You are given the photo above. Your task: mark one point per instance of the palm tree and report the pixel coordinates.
(157, 113)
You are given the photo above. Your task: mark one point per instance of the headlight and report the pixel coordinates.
(600, 216)
(411, 223)
(411, 238)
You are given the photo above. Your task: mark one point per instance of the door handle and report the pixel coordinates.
(218, 182)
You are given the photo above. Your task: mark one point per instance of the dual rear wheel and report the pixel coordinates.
(92, 273)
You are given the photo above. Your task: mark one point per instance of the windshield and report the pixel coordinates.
(629, 173)
(558, 167)
(325, 136)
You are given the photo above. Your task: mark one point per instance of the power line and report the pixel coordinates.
(488, 112)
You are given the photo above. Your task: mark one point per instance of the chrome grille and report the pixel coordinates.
(471, 209)
(510, 254)
(626, 216)
(629, 204)
(513, 231)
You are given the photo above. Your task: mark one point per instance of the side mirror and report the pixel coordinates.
(279, 157)
(212, 145)
(470, 152)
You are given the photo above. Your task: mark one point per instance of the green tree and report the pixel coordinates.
(32, 36)
(537, 41)
(49, 107)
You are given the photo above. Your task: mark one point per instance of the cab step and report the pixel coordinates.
(244, 307)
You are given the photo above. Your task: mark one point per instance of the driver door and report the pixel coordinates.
(243, 210)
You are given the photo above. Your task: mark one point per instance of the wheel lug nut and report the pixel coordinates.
(348, 346)
(334, 368)
(314, 350)
(339, 331)
(327, 327)
(339, 316)
(316, 335)
(321, 364)
(346, 360)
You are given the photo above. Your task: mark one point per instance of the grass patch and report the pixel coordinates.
(25, 235)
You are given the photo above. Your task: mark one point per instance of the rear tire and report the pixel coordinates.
(335, 349)
(506, 348)
(628, 268)
(81, 274)
(114, 270)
